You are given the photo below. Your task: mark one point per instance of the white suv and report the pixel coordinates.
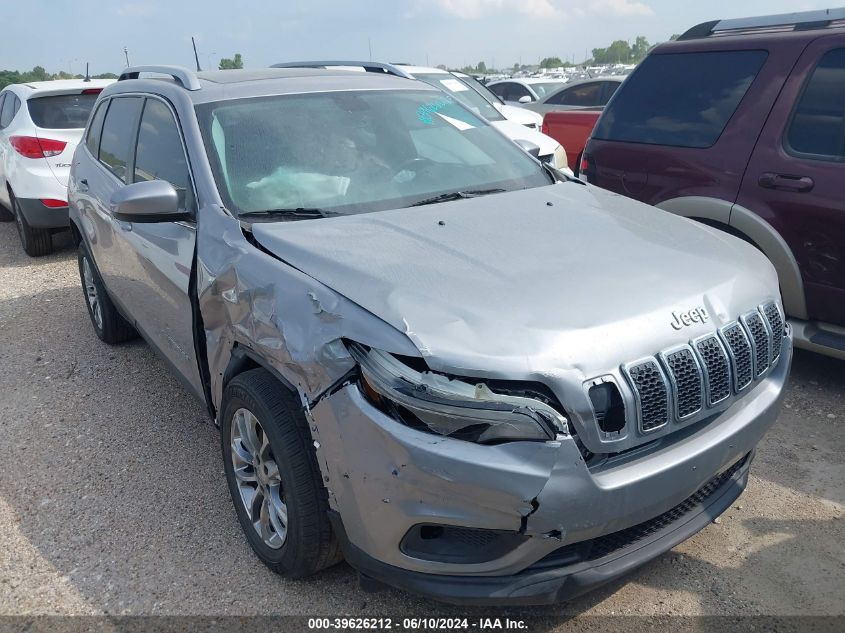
(40, 126)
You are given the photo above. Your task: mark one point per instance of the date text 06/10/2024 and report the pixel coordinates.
(411, 624)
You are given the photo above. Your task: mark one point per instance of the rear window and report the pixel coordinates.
(61, 112)
(681, 99)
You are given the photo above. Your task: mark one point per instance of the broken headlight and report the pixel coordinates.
(435, 403)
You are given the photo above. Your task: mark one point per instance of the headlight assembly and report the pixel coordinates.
(559, 160)
(434, 403)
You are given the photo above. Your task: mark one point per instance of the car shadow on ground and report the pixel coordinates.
(14, 257)
(114, 477)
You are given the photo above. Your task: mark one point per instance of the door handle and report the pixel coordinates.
(83, 185)
(786, 182)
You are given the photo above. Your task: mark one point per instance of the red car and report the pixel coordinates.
(571, 128)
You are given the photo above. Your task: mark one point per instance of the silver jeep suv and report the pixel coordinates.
(473, 377)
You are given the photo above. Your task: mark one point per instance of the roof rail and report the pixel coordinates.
(370, 67)
(185, 76)
(800, 21)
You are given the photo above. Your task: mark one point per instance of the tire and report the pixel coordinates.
(5, 214)
(109, 325)
(282, 450)
(35, 242)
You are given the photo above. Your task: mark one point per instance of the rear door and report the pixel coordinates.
(796, 176)
(99, 179)
(152, 270)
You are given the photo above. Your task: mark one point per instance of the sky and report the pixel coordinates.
(64, 34)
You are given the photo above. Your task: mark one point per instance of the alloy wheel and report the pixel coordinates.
(91, 293)
(258, 479)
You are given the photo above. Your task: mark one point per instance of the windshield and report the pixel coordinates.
(354, 152)
(480, 88)
(543, 89)
(466, 95)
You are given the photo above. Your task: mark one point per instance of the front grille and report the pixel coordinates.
(652, 394)
(687, 381)
(740, 354)
(760, 337)
(602, 546)
(682, 383)
(716, 366)
(776, 327)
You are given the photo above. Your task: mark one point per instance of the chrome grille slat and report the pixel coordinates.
(770, 310)
(652, 394)
(759, 335)
(716, 368)
(687, 384)
(679, 384)
(739, 346)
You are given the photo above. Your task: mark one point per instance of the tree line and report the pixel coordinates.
(618, 52)
(39, 73)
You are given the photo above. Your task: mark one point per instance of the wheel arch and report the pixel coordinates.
(75, 233)
(243, 359)
(743, 223)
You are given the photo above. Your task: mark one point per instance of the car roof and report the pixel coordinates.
(423, 70)
(32, 88)
(762, 32)
(219, 85)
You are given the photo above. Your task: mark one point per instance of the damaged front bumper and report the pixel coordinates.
(526, 522)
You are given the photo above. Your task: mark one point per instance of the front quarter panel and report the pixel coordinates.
(293, 322)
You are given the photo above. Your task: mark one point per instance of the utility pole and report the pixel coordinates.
(370, 47)
(126, 55)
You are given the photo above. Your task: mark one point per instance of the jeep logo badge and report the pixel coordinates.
(695, 315)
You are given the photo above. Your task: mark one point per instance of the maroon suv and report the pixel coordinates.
(741, 124)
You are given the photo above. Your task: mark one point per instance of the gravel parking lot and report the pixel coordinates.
(113, 500)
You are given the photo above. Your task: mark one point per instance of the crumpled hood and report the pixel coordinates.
(525, 282)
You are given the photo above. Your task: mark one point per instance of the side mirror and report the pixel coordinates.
(528, 146)
(525, 99)
(150, 201)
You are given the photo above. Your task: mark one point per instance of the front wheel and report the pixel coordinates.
(273, 477)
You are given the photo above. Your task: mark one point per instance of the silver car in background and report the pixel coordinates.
(472, 376)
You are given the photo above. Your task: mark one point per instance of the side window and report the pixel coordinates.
(609, 88)
(118, 132)
(517, 91)
(559, 97)
(680, 99)
(818, 124)
(8, 111)
(92, 141)
(499, 90)
(159, 154)
(2, 99)
(583, 95)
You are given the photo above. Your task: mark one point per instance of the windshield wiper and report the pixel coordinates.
(456, 195)
(558, 175)
(296, 213)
